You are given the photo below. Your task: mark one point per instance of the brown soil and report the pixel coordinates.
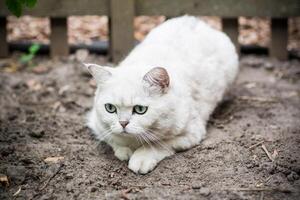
(42, 115)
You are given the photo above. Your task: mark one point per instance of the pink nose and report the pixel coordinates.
(124, 123)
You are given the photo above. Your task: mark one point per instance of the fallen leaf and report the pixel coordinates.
(33, 85)
(40, 69)
(53, 159)
(274, 154)
(56, 105)
(4, 180)
(11, 68)
(64, 89)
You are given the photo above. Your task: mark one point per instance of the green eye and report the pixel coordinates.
(110, 108)
(138, 109)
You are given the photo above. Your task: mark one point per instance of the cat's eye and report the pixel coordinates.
(138, 109)
(110, 108)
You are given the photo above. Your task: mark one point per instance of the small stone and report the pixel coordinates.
(81, 55)
(12, 117)
(69, 176)
(93, 189)
(293, 176)
(37, 134)
(69, 187)
(195, 187)
(250, 165)
(204, 191)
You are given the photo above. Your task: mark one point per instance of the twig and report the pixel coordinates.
(262, 195)
(124, 193)
(258, 99)
(259, 189)
(51, 177)
(17, 192)
(255, 145)
(267, 152)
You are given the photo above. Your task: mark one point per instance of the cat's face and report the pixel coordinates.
(132, 106)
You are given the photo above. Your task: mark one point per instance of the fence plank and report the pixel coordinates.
(62, 8)
(222, 8)
(121, 28)
(59, 37)
(231, 28)
(3, 39)
(279, 40)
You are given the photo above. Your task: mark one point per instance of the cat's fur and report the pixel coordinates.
(197, 65)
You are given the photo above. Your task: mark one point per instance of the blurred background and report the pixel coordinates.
(86, 29)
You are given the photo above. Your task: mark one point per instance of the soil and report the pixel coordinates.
(43, 116)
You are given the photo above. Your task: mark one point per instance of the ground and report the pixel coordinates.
(47, 152)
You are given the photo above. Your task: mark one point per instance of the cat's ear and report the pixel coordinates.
(100, 73)
(157, 80)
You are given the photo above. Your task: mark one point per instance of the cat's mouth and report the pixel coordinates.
(124, 132)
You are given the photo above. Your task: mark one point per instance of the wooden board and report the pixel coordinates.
(279, 39)
(231, 28)
(63, 8)
(121, 28)
(223, 8)
(59, 37)
(3, 40)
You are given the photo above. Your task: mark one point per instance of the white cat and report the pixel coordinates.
(158, 100)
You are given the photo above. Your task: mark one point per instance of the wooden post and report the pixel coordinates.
(121, 28)
(279, 40)
(59, 37)
(3, 38)
(231, 28)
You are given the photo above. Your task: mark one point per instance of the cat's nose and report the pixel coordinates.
(124, 123)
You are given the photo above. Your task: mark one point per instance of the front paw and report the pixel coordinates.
(142, 162)
(123, 153)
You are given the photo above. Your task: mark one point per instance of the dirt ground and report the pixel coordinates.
(46, 152)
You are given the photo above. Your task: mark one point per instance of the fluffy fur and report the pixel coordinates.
(200, 62)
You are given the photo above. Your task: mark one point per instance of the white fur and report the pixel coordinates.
(201, 63)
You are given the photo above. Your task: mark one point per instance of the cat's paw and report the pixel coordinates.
(123, 153)
(142, 162)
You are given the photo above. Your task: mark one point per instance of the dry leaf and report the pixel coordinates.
(274, 154)
(11, 68)
(4, 180)
(40, 69)
(33, 85)
(53, 159)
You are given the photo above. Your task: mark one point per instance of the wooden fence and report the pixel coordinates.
(122, 12)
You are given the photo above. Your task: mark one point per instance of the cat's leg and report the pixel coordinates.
(145, 158)
(194, 134)
(121, 152)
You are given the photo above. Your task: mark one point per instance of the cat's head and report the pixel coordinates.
(133, 103)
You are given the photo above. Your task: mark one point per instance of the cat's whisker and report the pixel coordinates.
(160, 143)
(105, 134)
(148, 141)
(140, 140)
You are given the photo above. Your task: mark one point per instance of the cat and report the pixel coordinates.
(159, 98)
